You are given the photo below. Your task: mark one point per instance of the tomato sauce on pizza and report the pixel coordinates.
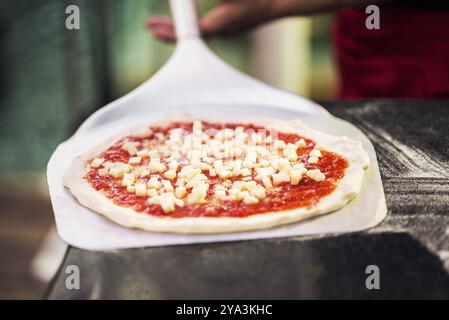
(204, 169)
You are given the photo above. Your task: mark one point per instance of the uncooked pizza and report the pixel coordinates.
(198, 176)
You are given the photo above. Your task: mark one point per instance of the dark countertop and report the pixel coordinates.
(410, 247)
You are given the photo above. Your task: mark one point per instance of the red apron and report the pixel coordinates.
(408, 57)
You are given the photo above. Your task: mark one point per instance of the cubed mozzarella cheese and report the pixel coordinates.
(103, 172)
(267, 182)
(180, 192)
(220, 194)
(130, 147)
(279, 178)
(313, 160)
(295, 176)
(316, 175)
(154, 183)
(170, 174)
(97, 162)
(134, 160)
(301, 143)
(167, 186)
(167, 203)
(143, 153)
(141, 189)
(250, 200)
(117, 172)
(315, 153)
(156, 167)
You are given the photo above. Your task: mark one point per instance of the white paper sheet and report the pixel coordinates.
(85, 229)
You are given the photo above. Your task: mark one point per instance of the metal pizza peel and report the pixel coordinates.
(195, 81)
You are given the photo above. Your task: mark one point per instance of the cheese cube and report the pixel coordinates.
(245, 172)
(268, 171)
(156, 167)
(134, 160)
(251, 157)
(220, 194)
(143, 153)
(127, 182)
(180, 192)
(97, 162)
(188, 172)
(154, 200)
(197, 128)
(117, 172)
(279, 178)
(250, 200)
(198, 194)
(258, 192)
(267, 182)
(239, 185)
(316, 175)
(130, 177)
(173, 165)
(313, 160)
(295, 176)
(167, 186)
(144, 173)
(130, 189)
(180, 182)
(170, 174)
(315, 153)
(242, 194)
(225, 174)
(284, 165)
(108, 164)
(103, 172)
(154, 183)
(144, 133)
(292, 156)
(275, 164)
(154, 154)
(218, 165)
(301, 143)
(236, 152)
(279, 144)
(167, 203)
(130, 147)
(250, 185)
(179, 202)
(152, 192)
(141, 189)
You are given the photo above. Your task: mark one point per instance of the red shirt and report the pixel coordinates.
(408, 57)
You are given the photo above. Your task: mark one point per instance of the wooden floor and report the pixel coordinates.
(24, 222)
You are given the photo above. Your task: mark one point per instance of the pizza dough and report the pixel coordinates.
(345, 189)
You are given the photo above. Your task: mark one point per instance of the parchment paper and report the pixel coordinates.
(82, 228)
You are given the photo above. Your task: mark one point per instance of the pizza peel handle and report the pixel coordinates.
(185, 16)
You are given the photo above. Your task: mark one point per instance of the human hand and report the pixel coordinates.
(229, 17)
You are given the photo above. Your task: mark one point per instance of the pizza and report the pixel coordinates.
(201, 176)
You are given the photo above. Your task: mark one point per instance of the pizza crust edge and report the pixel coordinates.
(347, 189)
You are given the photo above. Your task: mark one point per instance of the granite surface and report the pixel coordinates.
(410, 247)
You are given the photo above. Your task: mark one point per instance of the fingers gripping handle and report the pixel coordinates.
(185, 16)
